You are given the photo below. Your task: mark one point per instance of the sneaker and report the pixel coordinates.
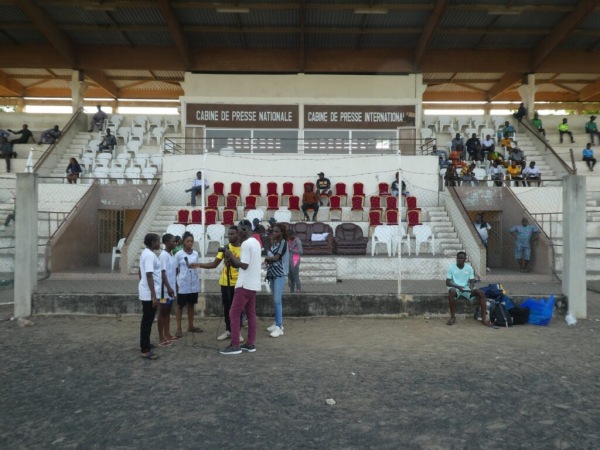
(277, 332)
(248, 348)
(224, 336)
(231, 351)
(272, 328)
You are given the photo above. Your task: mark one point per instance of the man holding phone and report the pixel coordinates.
(460, 282)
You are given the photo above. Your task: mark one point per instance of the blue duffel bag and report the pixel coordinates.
(540, 310)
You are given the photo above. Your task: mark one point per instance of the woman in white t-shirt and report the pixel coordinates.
(168, 269)
(188, 285)
(149, 291)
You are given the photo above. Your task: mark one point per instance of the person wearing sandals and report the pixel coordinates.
(228, 278)
(188, 285)
(460, 282)
(295, 246)
(167, 291)
(278, 260)
(149, 291)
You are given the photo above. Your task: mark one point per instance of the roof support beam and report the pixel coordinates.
(58, 39)
(560, 32)
(589, 91)
(507, 81)
(428, 30)
(11, 85)
(175, 29)
(100, 78)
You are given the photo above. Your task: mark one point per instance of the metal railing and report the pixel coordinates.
(537, 135)
(65, 131)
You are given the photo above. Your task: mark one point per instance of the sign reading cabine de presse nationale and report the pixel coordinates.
(378, 117)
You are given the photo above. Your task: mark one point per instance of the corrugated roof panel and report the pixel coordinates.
(270, 18)
(591, 22)
(112, 73)
(138, 16)
(62, 72)
(277, 41)
(96, 38)
(13, 14)
(76, 15)
(454, 18)
(452, 41)
(437, 76)
(41, 72)
(575, 76)
(497, 41)
(529, 20)
(389, 40)
(397, 18)
(547, 87)
(331, 41)
(55, 84)
(212, 40)
(480, 76)
(473, 2)
(579, 41)
(543, 76)
(29, 36)
(174, 74)
(337, 19)
(26, 82)
(448, 87)
(154, 86)
(210, 17)
(152, 38)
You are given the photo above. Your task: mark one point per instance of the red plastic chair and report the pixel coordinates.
(288, 191)
(375, 203)
(236, 189)
(391, 216)
(309, 183)
(374, 219)
(212, 201)
(391, 202)
(335, 206)
(255, 189)
(219, 189)
(357, 205)
(229, 217)
(250, 203)
(411, 203)
(272, 202)
(384, 189)
(183, 217)
(231, 202)
(413, 217)
(294, 204)
(340, 190)
(271, 188)
(197, 216)
(358, 189)
(211, 216)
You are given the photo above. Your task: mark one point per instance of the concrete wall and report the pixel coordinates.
(36, 122)
(419, 172)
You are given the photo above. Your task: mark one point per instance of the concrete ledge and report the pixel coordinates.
(303, 305)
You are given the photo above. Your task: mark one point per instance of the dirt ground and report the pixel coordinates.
(78, 382)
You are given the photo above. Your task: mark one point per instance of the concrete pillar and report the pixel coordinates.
(574, 244)
(26, 243)
(419, 90)
(527, 93)
(78, 87)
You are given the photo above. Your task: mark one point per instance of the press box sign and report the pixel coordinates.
(358, 117)
(242, 116)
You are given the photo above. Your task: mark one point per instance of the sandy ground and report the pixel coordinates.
(78, 382)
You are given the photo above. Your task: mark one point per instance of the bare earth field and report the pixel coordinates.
(78, 382)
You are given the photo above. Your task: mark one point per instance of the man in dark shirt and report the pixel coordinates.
(50, 136)
(97, 119)
(25, 136)
(323, 187)
(473, 147)
(108, 143)
(310, 200)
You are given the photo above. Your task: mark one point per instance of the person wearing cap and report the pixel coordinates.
(591, 128)
(323, 187)
(310, 200)
(563, 128)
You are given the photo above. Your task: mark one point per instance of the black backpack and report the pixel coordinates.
(500, 316)
(519, 315)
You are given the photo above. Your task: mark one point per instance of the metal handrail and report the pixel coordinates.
(151, 195)
(547, 146)
(51, 148)
(573, 161)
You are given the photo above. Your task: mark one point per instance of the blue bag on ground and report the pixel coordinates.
(540, 310)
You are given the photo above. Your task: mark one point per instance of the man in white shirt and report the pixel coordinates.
(248, 282)
(496, 173)
(487, 146)
(532, 173)
(198, 185)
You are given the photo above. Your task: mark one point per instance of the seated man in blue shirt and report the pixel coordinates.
(588, 156)
(460, 282)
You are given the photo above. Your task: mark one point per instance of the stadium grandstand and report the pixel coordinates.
(263, 96)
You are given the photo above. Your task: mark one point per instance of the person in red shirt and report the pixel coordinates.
(310, 200)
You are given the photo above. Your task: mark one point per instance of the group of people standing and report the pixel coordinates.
(173, 277)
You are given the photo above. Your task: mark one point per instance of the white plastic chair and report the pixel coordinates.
(134, 174)
(172, 121)
(87, 163)
(137, 134)
(423, 233)
(429, 121)
(481, 175)
(154, 121)
(283, 216)
(215, 233)
(156, 161)
(101, 173)
(427, 134)
(382, 235)
(463, 122)
(140, 122)
(116, 252)
(103, 159)
(443, 122)
(117, 173)
(197, 231)
(123, 133)
(149, 173)
(255, 214)
(479, 122)
(157, 133)
(470, 132)
(93, 145)
(398, 237)
(123, 159)
(140, 160)
(114, 121)
(133, 147)
(486, 131)
(176, 229)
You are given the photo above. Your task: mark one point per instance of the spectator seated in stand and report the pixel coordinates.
(532, 174)
(588, 156)
(50, 136)
(458, 144)
(514, 170)
(516, 154)
(108, 142)
(452, 178)
(310, 200)
(507, 131)
(537, 123)
(487, 146)
(467, 176)
(563, 128)
(198, 185)
(24, 139)
(442, 156)
(473, 147)
(521, 112)
(591, 128)
(97, 120)
(323, 187)
(73, 171)
(495, 156)
(455, 157)
(496, 173)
